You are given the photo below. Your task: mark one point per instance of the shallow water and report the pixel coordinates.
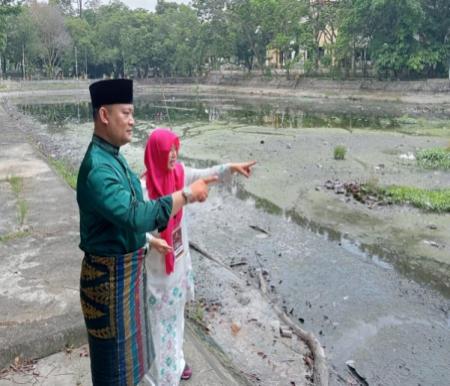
(275, 113)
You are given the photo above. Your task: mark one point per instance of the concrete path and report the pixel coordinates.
(71, 368)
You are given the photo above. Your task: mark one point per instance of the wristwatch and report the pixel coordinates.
(187, 194)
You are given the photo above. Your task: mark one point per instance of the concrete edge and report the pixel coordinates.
(43, 338)
(218, 358)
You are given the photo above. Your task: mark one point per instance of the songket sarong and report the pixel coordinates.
(112, 291)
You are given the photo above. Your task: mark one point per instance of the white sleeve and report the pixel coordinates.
(222, 171)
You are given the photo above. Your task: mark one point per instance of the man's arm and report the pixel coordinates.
(198, 192)
(116, 203)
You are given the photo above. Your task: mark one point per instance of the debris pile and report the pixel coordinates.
(363, 193)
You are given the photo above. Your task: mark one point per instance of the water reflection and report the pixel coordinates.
(179, 111)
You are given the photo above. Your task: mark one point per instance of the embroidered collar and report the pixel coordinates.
(114, 150)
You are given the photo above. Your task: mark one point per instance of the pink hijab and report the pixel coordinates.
(161, 181)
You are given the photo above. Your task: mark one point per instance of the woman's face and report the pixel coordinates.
(172, 158)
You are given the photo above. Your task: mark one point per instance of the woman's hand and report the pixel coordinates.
(244, 168)
(160, 245)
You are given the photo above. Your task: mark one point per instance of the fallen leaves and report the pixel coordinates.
(20, 366)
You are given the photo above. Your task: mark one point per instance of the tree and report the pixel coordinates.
(110, 21)
(291, 32)
(391, 29)
(82, 47)
(22, 44)
(165, 6)
(324, 25)
(216, 37)
(7, 8)
(252, 25)
(435, 38)
(137, 42)
(176, 51)
(52, 34)
(65, 6)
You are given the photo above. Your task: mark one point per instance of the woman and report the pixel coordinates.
(169, 268)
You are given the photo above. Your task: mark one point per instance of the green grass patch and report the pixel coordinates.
(65, 171)
(22, 206)
(22, 209)
(432, 200)
(435, 158)
(437, 200)
(16, 184)
(339, 152)
(13, 236)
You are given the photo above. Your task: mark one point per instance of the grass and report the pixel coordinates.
(196, 312)
(65, 171)
(22, 206)
(16, 184)
(437, 200)
(13, 236)
(432, 200)
(339, 152)
(435, 158)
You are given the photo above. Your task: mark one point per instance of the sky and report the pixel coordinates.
(146, 4)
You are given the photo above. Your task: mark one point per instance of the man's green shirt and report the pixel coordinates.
(113, 215)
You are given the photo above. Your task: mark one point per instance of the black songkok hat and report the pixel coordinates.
(111, 91)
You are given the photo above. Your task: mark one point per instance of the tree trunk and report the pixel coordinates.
(364, 63)
(353, 60)
(448, 69)
(76, 62)
(24, 74)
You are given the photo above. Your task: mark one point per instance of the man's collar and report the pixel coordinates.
(105, 145)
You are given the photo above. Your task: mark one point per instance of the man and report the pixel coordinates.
(113, 221)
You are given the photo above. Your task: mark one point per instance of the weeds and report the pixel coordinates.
(16, 184)
(437, 200)
(13, 236)
(65, 171)
(340, 152)
(436, 158)
(22, 206)
(196, 312)
(371, 194)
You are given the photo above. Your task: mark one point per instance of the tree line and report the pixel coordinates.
(387, 39)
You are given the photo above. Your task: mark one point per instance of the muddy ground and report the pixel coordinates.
(293, 167)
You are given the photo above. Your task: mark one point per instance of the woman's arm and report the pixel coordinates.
(223, 171)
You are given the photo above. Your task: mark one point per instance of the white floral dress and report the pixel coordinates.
(168, 294)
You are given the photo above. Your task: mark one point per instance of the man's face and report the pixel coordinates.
(120, 123)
